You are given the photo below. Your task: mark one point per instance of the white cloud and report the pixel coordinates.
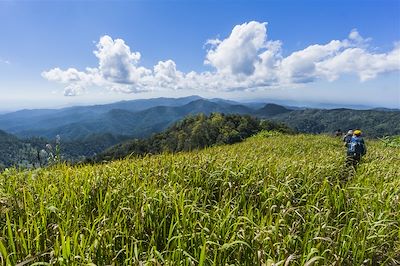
(300, 66)
(117, 63)
(355, 37)
(245, 60)
(70, 75)
(166, 75)
(238, 53)
(73, 90)
(361, 62)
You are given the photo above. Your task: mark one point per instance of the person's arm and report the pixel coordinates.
(345, 141)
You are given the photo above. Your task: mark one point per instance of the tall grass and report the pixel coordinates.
(273, 199)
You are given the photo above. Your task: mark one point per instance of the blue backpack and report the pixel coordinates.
(356, 145)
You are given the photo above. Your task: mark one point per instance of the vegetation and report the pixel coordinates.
(124, 118)
(15, 152)
(195, 132)
(272, 199)
(142, 118)
(38, 152)
(79, 121)
(393, 141)
(374, 123)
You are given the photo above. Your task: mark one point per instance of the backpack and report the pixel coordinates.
(356, 146)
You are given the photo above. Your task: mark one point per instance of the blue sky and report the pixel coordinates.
(300, 51)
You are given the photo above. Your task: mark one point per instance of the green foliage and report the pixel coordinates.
(374, 123)
(272, 199)
(38, 152)
(137, 119)
(393, 141)
(195, 132)
(15, 152)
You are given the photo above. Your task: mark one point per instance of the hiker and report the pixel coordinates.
(355, 148)
(347, 137)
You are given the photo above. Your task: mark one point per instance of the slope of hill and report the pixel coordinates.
(270, 110)
(374, 123)
(34, 152)
(141, 118)
(134, 124)
(194, 132)
(272, 199)
(26, 123)
(13, 151)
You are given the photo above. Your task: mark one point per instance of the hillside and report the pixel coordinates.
(34, 152)
(50, 122)
(116, 121)
(270, 110)
(142, 118)
(14, 151)
(271, 199)
(194, 132)
(374, 123)
(87, 131)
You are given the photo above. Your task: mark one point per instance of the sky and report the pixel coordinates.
(63, 53)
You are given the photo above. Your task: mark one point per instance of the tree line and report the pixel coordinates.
(194, 132)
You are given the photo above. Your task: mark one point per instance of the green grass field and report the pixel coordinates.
(270, 200)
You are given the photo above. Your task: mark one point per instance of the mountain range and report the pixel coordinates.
(141, 118)
(137, 118)
(88, 130)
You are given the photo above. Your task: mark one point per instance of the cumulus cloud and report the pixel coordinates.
(76, 81)
(244, 60)
(361, 62)
(300, 66)
(166, 75)
(117, 63)
(73, 90)
(238, 53)
(66, 76)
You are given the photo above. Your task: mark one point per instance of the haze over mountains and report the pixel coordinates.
(141, 118)
(89, 130)
(134, 118)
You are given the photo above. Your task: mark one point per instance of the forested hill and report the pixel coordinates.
(36, 152)
(80, 123)
(193, 132)
(12, 150)
(374, 123)
(141, 118)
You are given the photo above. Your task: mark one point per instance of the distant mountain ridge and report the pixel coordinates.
(270, 110)
(76, 123)
(141, 118)
(373, 123)
(89, 130)
(36, 121)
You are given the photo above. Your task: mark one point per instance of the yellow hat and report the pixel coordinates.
(357, 132)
